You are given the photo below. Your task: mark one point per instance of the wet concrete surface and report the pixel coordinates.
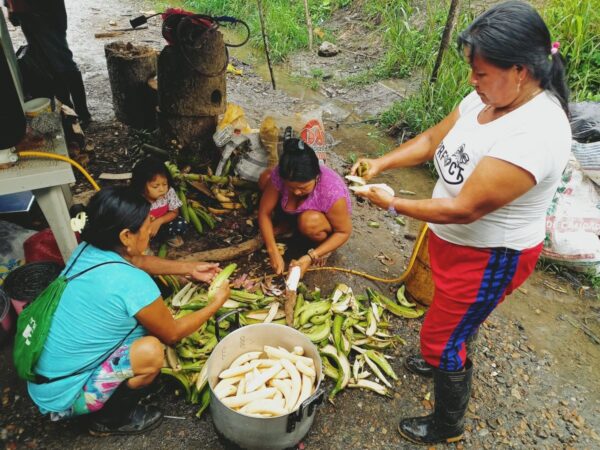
(536, 376)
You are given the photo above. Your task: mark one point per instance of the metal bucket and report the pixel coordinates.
(25, 283)
(7, 317)
(265, 433)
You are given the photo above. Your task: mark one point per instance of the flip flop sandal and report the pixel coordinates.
(175, 242)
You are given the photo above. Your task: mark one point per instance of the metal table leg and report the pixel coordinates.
(53, 205)
(68, 195)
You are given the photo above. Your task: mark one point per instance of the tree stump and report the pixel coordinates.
(129, 69)
(192, 92)
(192, 81)
(193, 134)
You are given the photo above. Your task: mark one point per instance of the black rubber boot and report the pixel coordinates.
(416, 364)
(447, 423)
(122, 415)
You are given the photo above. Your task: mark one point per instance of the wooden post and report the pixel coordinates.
(129, 68)
(445, 39)
(265, 41)
(193, 82)
(309, 25)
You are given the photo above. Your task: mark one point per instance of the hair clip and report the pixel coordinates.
(78, 222)
(555, 47)
(288, 133)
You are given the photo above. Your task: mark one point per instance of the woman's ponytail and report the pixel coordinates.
(557, 81)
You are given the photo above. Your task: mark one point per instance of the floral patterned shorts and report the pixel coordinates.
(100, 386)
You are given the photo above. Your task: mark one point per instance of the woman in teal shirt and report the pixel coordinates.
(105, 341)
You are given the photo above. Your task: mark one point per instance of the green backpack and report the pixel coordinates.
(33, 325)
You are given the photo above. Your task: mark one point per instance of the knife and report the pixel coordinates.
(291, 286)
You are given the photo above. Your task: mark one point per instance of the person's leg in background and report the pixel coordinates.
(46, 34)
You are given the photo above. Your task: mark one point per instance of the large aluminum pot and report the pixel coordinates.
(266, 433)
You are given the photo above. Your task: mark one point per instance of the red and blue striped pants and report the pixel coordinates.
(469, 283)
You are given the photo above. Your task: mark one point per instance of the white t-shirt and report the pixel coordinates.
(535, 137)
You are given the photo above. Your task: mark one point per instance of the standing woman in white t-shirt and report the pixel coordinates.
(499, 157)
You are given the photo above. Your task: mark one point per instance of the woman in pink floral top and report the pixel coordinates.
(315, 194)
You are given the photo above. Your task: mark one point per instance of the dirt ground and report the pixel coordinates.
(536, 373)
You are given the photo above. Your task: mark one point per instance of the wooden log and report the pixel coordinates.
(192, 82)
(227, 253)
(108, 34)
(193, 134)
(129, 68)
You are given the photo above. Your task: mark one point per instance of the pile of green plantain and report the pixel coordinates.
(351, 332)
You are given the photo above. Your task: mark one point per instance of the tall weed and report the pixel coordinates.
(285, 20)
(576, 25)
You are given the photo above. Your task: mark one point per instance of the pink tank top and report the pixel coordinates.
(329, 189)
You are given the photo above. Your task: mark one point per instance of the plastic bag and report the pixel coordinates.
(313, 130)
(234, 144)
(309, 126)
(12, 255)
(269, 136)
(236, 117)
(313, 133)
(252, 163)
(12, 237)
(585, 126)
(588, 156)
(573, 223)
(585, 121)
(42, 246)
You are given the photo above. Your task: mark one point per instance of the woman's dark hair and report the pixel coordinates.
(110, 211)
(513, 34)
(298, 161)
(145, 171)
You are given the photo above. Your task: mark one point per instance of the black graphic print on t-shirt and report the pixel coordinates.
(451, 166)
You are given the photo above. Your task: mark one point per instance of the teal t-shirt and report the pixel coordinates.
(95, 313)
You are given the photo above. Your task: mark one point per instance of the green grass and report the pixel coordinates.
(576, 25)
(285, 20)
(589, 280)
(411, 37)
(317, 73)
(594, 280)
(413, 46)
(311, 83)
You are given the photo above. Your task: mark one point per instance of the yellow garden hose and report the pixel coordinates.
(398, 279)
(34, 154)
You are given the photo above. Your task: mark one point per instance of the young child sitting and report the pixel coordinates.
(152, 180)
